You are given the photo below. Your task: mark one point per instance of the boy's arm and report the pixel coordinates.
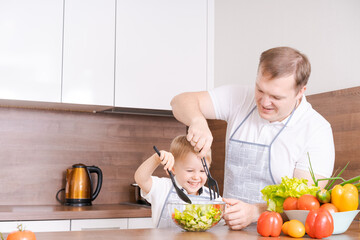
(146, 169)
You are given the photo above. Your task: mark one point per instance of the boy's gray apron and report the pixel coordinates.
(248, 167)
(165, 220)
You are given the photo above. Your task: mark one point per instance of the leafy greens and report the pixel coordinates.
(198, 217)
(275, 195)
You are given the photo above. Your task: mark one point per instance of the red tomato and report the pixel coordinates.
(21, 235)
(269, 224)
(319, 223)
(290, 203)
(308, 202)
(173, 217)
(330, 207)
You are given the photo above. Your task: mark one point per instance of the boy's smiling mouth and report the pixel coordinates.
(194, 184)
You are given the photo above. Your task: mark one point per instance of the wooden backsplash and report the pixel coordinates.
(342, 109)
(37, 146)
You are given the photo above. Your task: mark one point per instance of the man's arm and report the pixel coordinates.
(192, 109)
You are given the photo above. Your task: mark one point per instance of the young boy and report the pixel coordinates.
(189, 173)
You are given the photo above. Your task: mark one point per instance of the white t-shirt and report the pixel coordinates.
(158, 194)
(307, 131)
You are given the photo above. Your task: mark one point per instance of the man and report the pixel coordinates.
(270, 130)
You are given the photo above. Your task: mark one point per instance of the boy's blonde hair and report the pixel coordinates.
(180, 146)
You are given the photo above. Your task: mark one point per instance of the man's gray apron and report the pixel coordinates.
(165, 220)
(248, 167)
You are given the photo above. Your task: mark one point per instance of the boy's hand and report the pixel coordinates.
(167, 159)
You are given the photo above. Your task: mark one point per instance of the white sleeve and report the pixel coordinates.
(229, 98)
(321, 151)
(157, 196)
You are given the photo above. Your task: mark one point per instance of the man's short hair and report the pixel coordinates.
(180, 147)
(285, 61)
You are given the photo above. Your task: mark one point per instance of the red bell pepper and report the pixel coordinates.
(319, 223)
(269, 224)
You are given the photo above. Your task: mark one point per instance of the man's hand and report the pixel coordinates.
(192, 109)
(199, 136)
(239, 214)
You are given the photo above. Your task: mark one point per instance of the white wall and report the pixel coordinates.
(327, 31)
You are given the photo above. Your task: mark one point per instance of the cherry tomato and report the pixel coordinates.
(330, 207)
(308, 202)
(173, 217)
(296, 229)
(217, 206)
(323, 196)
(290, 203)
(285, 228)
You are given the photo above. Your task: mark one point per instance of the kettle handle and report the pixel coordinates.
(94, 169)
(57, 196)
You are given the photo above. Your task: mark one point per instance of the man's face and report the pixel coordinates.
(276, 98)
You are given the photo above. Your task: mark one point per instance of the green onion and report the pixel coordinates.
(333, 179)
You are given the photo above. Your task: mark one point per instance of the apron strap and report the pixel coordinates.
(242, 122)
(162, 210)
(232, 135)
(292, 113)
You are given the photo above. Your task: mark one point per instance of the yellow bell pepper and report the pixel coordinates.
(345, 198)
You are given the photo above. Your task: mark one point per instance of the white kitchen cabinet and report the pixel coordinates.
(162, 48)
(120, 53)
(89, 52)
(110, 224)
(98, 224)
(36, 226)
(77, 224)
(31, 49)
(134, 223)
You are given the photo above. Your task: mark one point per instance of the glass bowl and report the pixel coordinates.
(342, 220)
(197, 217)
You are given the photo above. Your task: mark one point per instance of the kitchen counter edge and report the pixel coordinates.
(60, 212)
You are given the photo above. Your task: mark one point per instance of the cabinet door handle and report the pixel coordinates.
(105, 228)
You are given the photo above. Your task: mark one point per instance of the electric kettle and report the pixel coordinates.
(79, 185)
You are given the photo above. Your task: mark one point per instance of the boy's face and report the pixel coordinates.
(190, 173)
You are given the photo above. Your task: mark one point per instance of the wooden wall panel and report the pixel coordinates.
(37, 146)
(342, 109)
(218, 130)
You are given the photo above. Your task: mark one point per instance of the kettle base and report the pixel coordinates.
(78, 202)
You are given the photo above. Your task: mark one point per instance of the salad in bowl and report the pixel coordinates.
(197, 217)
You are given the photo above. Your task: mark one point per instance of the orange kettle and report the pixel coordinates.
(79, 185)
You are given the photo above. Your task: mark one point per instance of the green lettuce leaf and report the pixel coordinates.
(275, 195)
